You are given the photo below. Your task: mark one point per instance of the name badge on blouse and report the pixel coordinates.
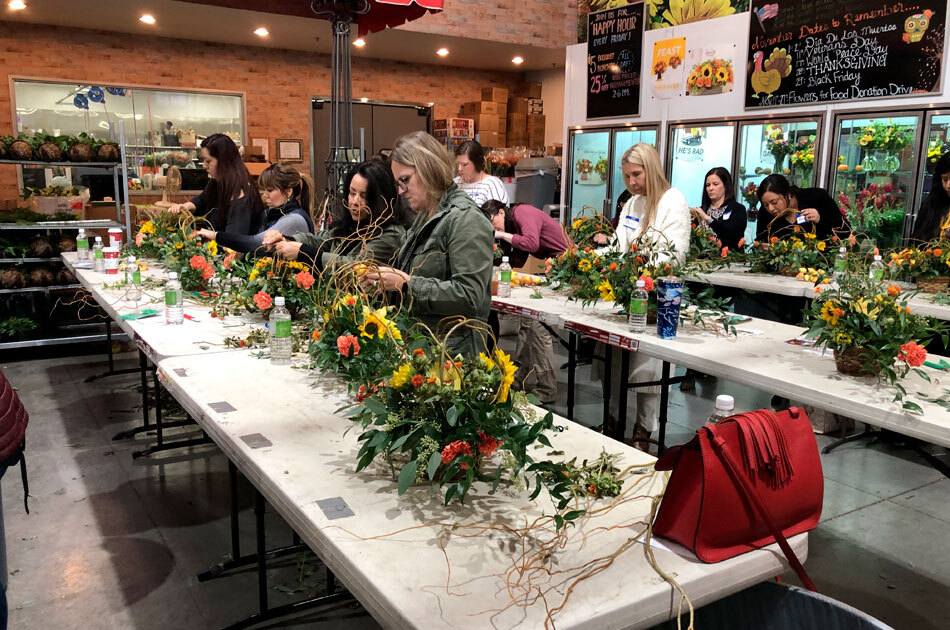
(631, 223)
(726, 215)
(801, 219)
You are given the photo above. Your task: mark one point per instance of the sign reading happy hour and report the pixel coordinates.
(614, 42)
(821, 51)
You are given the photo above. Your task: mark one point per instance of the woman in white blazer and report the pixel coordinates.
(656, 218)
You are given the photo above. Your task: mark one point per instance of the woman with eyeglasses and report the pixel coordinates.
(444, 268)
(812, 210)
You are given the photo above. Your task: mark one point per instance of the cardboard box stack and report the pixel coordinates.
(453, 131)
(535, 125)
(490, 116)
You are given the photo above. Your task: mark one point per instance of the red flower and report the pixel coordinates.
(208, 272)
(417, 380)
(741, 241)
(363, 393)
(228, 260)
(348, 345)
(453, 450)
(262, 300)
(648, 283)
(913, 353)
(419, 352)
(304, 280)
(487, 445)
(893, 290)
(725, 252)
(198, 262)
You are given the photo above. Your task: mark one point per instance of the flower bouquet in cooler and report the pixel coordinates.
(877, 212)
(778, 145)
(872, 331)
(751, 195)
(267, 278)
(445, 420)
(802, 159)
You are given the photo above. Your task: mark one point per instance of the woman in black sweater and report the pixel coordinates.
(719, 210)
(787, 206)
(933, 217)
(230, 202)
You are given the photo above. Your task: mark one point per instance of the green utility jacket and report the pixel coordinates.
(449, 258)
(381, 249)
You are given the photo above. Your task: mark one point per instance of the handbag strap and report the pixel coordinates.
(745, 488)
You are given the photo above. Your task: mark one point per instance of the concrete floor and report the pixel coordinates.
(116, 543)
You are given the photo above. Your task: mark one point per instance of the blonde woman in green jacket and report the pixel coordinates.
(372, 226)
(444, 268)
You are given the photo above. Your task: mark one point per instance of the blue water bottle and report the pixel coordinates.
(669, 295)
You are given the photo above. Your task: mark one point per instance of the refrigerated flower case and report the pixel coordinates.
(593, 173)
(873, 174)
(937, 133)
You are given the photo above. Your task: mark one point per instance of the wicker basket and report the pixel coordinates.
(932, 285)
(851, 362)
(788, 272)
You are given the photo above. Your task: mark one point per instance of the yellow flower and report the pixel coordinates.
(577, 223)
(375, 324)
(147, 228)
(828, 313)
(606, 291)
(810, 235)
(401, 376)
(844, 338)
(861, 306)
(686, 11)
(507, 369)
(212, 247)
(584, 265)
(253, 275)
(179, 245)
(821, 246)
(488, 363)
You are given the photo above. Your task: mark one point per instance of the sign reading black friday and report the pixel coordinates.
(614, 45)
(822, 51)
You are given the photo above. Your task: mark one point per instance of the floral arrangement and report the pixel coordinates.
(803, 156)
(716, 73)
(777, 144)
(584, 228)
(601, 168)
(267, 278)
(935, 150)
(931, 260)
(751, 195)
(878, 212)
(584, 167)
(872, 331)
(501, 162)
(171, 239)
(879, 136)
(788, 256)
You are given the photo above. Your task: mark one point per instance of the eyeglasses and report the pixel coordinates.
(402, 183)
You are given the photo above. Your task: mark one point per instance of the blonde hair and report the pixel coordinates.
(643, 154)
(282, 177)
(430, 159)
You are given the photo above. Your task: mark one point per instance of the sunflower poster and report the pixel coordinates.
(669, 59)
(664, 13)
(711, 70)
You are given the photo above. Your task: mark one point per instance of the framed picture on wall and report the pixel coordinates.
(289, 150)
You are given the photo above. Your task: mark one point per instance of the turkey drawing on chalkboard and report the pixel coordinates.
(767, 77)
(916, 25)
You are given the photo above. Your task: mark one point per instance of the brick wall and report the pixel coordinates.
(505, 21)
(278, 83)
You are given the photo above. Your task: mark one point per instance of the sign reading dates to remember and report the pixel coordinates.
(614, 44)
(822, 51)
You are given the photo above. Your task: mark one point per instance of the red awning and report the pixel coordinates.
(390, 13)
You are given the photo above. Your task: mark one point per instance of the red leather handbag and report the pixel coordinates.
(743, 483)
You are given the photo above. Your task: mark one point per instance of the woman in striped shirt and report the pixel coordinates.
(472, 178)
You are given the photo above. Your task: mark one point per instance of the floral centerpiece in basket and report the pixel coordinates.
(788, 256)
(584, 228)
(928, 265)
(872, 331)
(266, 278)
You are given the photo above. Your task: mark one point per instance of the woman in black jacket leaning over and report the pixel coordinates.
(787, 206)
(719, 210)
(933, 217)
(230, 202)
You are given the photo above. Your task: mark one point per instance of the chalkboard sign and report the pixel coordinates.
(614, 42)
(820, 51)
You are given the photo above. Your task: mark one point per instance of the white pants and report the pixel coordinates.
(642, 369)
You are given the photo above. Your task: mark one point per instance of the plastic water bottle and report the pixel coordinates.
(638, 308)
(725, 407)
(82, 246)
(841, 264)
(98, 256)
(280, 341)
(174, 313)
(504, 278)
(133, 278)
(876, 271)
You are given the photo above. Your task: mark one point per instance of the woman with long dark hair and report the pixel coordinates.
(933, 217)
(787, 206)
(719, 210)
(289, 196)
(372, 225)
(230, 202)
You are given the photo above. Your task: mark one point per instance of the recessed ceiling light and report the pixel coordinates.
(442, 52)
(359, 43)
(430, 104)
(364, 100)
(261, 32)
(147, 18)
(517, 60)
(16, 5)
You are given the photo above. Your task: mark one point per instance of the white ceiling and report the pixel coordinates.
(233, 26)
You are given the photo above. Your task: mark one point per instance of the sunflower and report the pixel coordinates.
(375, 324)
(606, 291)
(828, 313)
(843, 338)
(722, 76)
(584, 265)
(507, 369)
(401, 376)
(212, 247)
(686, 11)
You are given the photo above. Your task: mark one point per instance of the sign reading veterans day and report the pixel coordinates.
(822, 51)
(614, 42)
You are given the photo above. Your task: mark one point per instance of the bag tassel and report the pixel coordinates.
(764, 447)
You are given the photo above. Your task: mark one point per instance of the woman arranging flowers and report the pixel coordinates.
(472, 178)
(933, 217)
(656, 223)
(444, 268)
(787, 206)
(720, 211)
(289, 196)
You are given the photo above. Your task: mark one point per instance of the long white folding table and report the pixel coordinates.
(414, 562)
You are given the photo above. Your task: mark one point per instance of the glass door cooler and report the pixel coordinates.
(693, 149)
(594, 180)
(873, 175)
(786, 146)
(937, 134)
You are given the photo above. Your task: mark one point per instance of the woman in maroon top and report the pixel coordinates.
(526, 231)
